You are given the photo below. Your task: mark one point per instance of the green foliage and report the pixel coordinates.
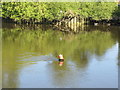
(117, 12)
(98, 10)
(23, 10)
(37, 11)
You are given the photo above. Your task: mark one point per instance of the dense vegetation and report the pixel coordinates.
(49, 11)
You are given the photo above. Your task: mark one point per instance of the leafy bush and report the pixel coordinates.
(37, 11)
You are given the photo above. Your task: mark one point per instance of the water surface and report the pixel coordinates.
(30, 57)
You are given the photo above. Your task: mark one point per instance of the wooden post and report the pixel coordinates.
(75, 28)
(59, 23)
(66, 24)
(69, 24)
(74, 21)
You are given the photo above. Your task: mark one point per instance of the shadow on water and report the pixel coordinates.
(116, 37)
(24, 46)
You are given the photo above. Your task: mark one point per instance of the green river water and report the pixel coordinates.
(29, 57)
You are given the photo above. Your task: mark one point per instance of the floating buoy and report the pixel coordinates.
(61, 59)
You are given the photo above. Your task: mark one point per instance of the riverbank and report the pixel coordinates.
(114, 21)
(68, 25)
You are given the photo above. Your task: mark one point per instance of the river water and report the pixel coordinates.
(29, 57)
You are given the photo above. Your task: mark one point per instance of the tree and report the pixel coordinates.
(37, 11)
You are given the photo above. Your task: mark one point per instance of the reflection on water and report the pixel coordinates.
(30, 58)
